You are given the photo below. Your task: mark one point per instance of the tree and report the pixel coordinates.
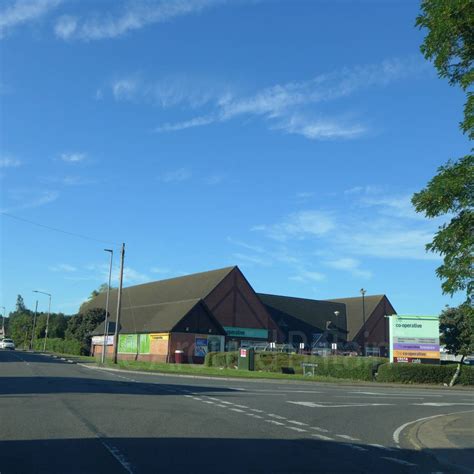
(102, 289)
(457, 331)
(20, 304)
(81, 326)
(450, 45)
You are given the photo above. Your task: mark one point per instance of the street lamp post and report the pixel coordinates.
(336, 313)
(34, 326)
(3, 320)
(363, 292)
(47, 318)
(106, 322)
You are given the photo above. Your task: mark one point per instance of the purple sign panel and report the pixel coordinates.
(415, 347)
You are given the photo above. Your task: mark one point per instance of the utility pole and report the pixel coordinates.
(363, 292)
(119, 302)
(106, 322)
(3, 320)
(34, 326)
(47, 318)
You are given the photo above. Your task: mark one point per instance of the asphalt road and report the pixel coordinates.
(57, 417)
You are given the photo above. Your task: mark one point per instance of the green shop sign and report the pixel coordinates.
(246, 332)
(134, 344)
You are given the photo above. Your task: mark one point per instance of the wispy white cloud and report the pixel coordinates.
(24, 11)
(299, 225)
(350, 265)
(68, 180)
(63, 267)
(28, 199)
(320, 129)
(100, 273)
(194, 122)
(305, 276)
(396, 206)
(160, 270)
(367, 189)
(176, 176)
(241, 258)
(73, 157)
(133, 16)
(9, 162)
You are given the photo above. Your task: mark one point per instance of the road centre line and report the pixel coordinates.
(275, 422)
(117, 455)
(278, 417)
(300, 423)
(399, 461)
(319, 429)
(237, 410)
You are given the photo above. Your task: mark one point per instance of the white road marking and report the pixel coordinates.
(356, 447)
(257, 416)
(278, 417)
(208, 401)
(273, 422)
(294, 428)
(443, 404)
(255, 410)
(297, 423)
(399, 461)
(197, 398)
(319, 429)
(240, 406)
(215, 399)
(237, 410)
(325, 438)
(398, 431)
(226, 403)
(117, 455)
(374, 445)
(348, 405)
(347, 437)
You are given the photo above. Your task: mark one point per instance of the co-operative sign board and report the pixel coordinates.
(414, 339)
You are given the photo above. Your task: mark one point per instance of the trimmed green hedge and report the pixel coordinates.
(62, 346)
(466, 377)
(355, 368)
(417, 373)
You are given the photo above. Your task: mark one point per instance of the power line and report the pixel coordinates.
(55, 229)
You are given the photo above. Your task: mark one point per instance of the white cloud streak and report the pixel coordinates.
(74, 157)
(350, 265)
(291, 107)
(8, 162)
(176, 176)
(24, 11)
(135, 16)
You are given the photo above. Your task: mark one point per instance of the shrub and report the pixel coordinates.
(356, 368)
(467, 375)
(416, 373)
(63, 346)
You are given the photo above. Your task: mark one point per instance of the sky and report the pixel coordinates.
(283, 136)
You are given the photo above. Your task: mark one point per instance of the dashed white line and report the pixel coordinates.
(299, 423)
(381, 447)
(117, 455)
(238, 410)
(325, 438)
(357, 448)
(255, 410)
(240, 406)
(273, 422)
(294, 428)
(347, 437)
(399, 461)
(319, 429)
(278, 417)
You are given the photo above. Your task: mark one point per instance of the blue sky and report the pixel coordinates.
(282, 136)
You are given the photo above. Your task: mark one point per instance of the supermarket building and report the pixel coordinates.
(219, 310)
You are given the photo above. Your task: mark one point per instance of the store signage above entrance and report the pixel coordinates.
(246, 332)
(414, 339)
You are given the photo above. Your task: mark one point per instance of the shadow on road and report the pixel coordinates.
(206, 455)
(55, 385)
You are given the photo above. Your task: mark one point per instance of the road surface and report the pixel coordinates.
(58, 417)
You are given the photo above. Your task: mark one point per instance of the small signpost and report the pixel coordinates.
(308, 369)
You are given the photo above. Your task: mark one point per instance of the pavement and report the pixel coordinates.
(61, 417)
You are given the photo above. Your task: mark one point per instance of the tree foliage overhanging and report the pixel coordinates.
(449, 43)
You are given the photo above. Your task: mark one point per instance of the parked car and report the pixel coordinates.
(7, 344)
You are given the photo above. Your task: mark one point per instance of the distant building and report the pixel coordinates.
(219, 310)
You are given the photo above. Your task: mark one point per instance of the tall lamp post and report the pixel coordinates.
(363, 292)
(106, 322)
(47, 319)
(3, 320)
(34, 326)
(336, 313)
